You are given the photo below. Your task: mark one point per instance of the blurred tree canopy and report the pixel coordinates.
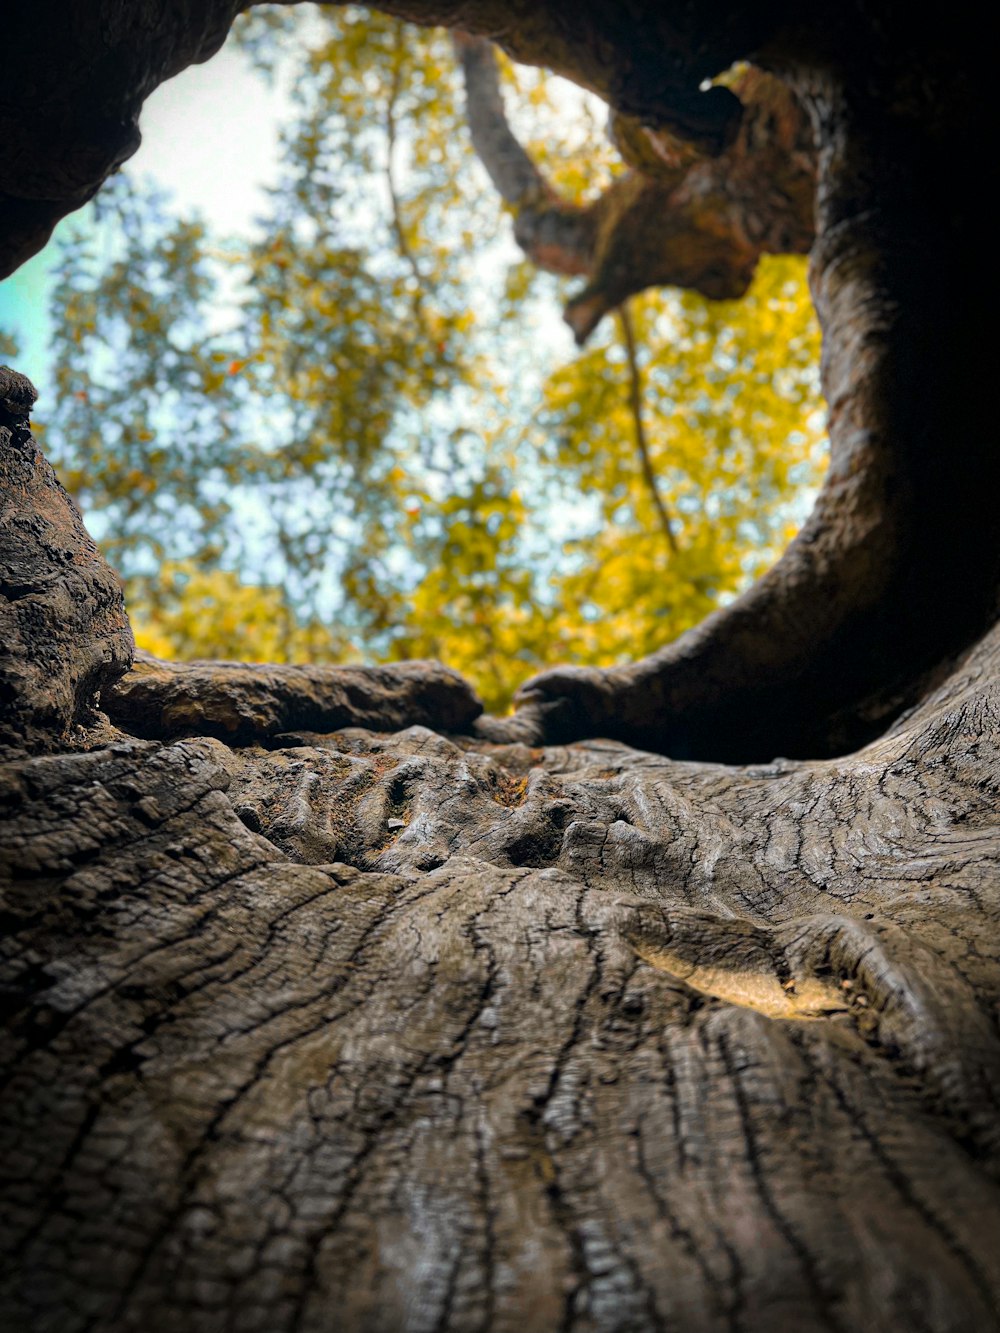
(357, 432)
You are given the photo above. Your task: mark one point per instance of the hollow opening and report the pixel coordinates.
(359, 431)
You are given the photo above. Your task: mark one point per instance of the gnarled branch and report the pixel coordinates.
(678, 218)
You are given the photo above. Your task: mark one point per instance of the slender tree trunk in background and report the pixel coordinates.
(314, 1022)
(639, 428)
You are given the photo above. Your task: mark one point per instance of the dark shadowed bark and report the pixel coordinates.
(896, 571)
(313, 1027)
(63, 628)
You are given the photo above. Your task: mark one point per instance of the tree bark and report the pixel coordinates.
(681, 217)
(897, 570)
(399, 1030)
(314, 1023)
(63, 626)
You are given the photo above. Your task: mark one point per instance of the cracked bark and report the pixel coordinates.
(368, 1025)
(316, 1022)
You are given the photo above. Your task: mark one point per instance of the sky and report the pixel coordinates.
(211, 139)
(210, 136)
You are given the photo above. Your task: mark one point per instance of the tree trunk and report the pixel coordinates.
(401, 1031)
(315, 1023)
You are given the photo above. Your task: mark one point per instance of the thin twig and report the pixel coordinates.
(405, 249)
(642, 444)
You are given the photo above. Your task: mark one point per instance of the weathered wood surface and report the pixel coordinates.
(239, 701)
(396, 1031)
(64, 634)
(386, 1030)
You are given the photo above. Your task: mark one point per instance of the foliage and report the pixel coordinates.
(188, 612)
(143, 428)
(734, 434)
(358, 430)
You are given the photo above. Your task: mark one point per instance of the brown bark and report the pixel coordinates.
(682, 218)
(63, 626)
(896, 571)
(384, 1031)
(237, 701)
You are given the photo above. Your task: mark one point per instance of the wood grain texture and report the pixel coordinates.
(402, 1032)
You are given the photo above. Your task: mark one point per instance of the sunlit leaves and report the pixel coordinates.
(142, 428)
(189, 613)
(731, 413)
